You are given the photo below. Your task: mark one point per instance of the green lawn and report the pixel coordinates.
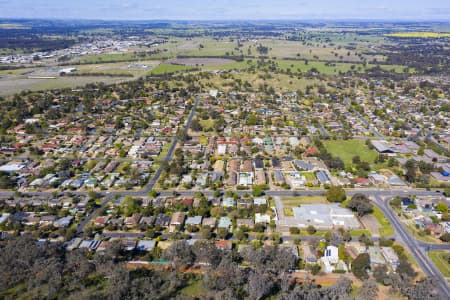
(359, 232)
(203, 140)
(347, 149)
(207, 123)
(164, 151)
(288, 212)
(309, 175)
(441, 261)
(386, 229)
(297, 201)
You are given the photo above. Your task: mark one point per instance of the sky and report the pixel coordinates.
(227, 10)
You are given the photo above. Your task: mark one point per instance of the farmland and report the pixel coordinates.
(422, 35)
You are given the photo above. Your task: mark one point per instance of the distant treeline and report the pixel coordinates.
(30, 40)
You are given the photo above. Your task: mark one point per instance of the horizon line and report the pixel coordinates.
(230, 20)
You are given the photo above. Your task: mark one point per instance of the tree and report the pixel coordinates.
(442, 207)
(314, 268)
(180, 254)
(445, 237)
(93, 195)
(240, 235)
(411, 174)
(206, 233)
(196, 125)
(360, 265)
(152, 194)
(368, 290)
(380, 273)
(222, 233)
(259, 285)
(294, 230)
(405, 268)
(311, 229)
(206, 252)
(423, 289)
(336, 194)
(257, 191)
(6, 181)
(361, 204)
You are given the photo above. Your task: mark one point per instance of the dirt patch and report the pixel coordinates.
(199, 61)
(371, 223)
(325, 279)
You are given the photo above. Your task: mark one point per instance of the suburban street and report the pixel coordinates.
(417, 249)
(158, 173)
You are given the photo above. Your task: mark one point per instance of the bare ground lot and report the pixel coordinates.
(371, 223)
(200, 61)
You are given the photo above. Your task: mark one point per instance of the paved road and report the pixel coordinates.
(169, 155)
(415, 248)
(82, 224)
(364, 121)
(150, 185)
(273, 193)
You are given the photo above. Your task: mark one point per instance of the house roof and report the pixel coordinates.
(146, 245)
(197, 220)
(224, 222)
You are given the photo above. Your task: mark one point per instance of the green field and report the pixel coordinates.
(386, 229)
(112, 57)
(168, 68)
(347, 149)
(297, 201)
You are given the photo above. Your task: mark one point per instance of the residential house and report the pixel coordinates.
(177, 220)
(133, 220)
(224, 245)
(246, 223)
(330, 258)
(390, 256)
(224, 222)
(146, 245)
(209, 222)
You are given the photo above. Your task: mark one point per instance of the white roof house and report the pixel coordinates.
(330, 258)
(12, 167)
(221, 149)
(146, 245)
(262, 218)
(246, 178)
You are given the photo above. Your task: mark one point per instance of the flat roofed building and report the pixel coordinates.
(382, 147)
(325, 216)
(390, 256)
